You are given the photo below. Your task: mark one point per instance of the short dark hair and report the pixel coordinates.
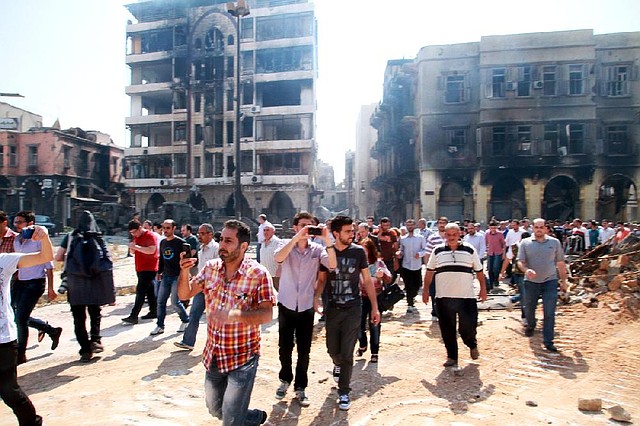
(134, 224)
(339, 221)
(27, 215)
(493, 222)
(385, 220)
(3, 216)
(303, 215)
(370, 217)
(188, 226)
(244, 233)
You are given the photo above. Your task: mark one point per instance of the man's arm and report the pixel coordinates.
(428, 277)
(51, 293)
(371, 292)
(187, 288)
(143, 249)
(262, 315)
(483, 286)
(317, 294)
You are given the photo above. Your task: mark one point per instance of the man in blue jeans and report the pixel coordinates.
(208, 251)
(542, 259)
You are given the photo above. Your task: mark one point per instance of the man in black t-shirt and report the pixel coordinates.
(344, 302)
(168, 272)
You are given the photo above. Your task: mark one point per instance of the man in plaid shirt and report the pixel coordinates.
(239, 296)
(7, 236)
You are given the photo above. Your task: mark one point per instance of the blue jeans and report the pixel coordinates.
(169, 287)
(227, 395)
(197, 308)
(373, 329)
(548, 290)
(24, 297)
(494, 263)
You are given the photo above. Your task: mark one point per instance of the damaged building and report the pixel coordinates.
(543, 124)
(182, 56)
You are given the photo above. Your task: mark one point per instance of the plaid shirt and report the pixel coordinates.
(234, 343)
(6, 246)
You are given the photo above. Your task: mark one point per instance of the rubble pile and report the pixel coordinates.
(607, 276)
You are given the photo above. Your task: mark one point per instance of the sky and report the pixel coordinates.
(67, 57)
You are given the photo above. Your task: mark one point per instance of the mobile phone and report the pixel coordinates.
(27, 233)
(315, 230)
(186, 248)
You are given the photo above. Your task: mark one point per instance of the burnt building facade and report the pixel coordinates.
(183, 60)
(543, 124)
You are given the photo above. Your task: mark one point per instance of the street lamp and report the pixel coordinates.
(238, 10)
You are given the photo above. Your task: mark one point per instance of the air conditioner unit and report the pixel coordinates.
(256, 109)
(256, 179)
(562, 151)
(538, 84)
(511, 85)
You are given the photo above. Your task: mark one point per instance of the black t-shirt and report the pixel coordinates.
(170, 256)
(343, 283)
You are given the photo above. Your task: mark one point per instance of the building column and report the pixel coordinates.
(588, 197)
(482, 194)
(429, 193)
(534, 193)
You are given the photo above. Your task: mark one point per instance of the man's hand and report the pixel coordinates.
(187, 262)
(132, 246)
(219, 317)
(425, 295)
(317, 305)
(39, 233)
(563, 285)
(375, 317)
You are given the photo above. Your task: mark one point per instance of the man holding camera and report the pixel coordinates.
(299, 261)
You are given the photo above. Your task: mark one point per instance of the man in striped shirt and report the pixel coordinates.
(239, 296)
(454, 265)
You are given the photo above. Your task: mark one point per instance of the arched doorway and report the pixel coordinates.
(153, 204)
(561, 199)
(617, 199)
(230, 209)
(280, 208)
(507, 199)
(451, 201)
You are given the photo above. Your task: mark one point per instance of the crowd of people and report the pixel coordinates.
(336, 270)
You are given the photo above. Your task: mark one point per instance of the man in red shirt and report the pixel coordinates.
(145, 247)
(239, 296)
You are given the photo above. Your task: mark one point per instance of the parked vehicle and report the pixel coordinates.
(46, 221)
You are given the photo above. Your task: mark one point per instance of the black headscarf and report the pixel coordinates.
(87, 225)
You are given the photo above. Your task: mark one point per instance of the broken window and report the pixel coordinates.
(180, 131)
(285, 163)
(524, 81)
(550, 143)
(524, 140)
(230, 139)
(214, 40)
(284, 26)
(290, 127)
(576, 79)
(180, 35)
(197, 101)
(83, 162)
(576, 138)
(549, 80)
(616, 137)
(230, 100)
(284, 59)
(218, 135)
(456, 142)
(199, 134)
(455, 90)
(33, 156)
(498, 80)
(157, 41)
(196, 167)
(230, 166)
(208, 165)
(499, 140)
(617, 80)
(281, 93)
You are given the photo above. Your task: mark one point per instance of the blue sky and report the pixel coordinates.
(67, 56)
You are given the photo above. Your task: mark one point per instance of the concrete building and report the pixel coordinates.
(17, 119)
(365, 167)
(182, 57)
(542, 124)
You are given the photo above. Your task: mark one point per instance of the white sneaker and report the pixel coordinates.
(157, 330)
(302, 398)
(282, 389)
(183, 327)
(434, 318)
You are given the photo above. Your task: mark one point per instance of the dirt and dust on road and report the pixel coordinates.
(144, 380)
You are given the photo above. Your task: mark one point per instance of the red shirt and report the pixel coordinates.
(146, 262)
(234, 343)
(6, 246)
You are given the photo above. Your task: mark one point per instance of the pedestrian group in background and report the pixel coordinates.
(337, 270)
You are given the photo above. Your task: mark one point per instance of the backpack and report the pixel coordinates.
(87, 256)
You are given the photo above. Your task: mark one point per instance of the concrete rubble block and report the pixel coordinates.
(615, 283)
(604, 265)
(632, 283)
(589, 404)
(623, 260)
(619, 414)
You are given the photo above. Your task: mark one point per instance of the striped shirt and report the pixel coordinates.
(455, 270)
(435, 239)
(233, 343)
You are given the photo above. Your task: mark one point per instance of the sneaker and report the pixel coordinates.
(475, 353)
(450, 363)
(412, 309)
(96, 347)
(183, 345)
(55, 337)
(282, 389)
(336, 373)
(302, 398)
(183, 327)
(528, 332)
(434, 318)
(62, 289)
(86, 357)
(148, 316)
(157, 330)
(344, 403)
(129, 320)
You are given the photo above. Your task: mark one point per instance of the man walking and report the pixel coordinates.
(145, 247)
(542, 259)
(344, 302)
(10, 391)
(239, 297)
(454, 264)
(388, 241)
(269, 246)
(168, 271)
(208, 251)
(496, 247)
(299, 260)
(412, 250)
(28, 288)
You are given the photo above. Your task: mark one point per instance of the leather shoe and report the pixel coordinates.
(551, 347)
(528, 332)
(55, 337)
(450, 362)
(148, 316)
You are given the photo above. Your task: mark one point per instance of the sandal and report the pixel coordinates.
(361, 351)
(374, 358)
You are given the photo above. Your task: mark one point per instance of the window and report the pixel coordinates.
(180, 164)
(549, 80)
(208, 165)
(576, 82)
(246, 28)
(292, 127)
(218, 164)
(617, 139)
(199, 134)
(180, 131)
(196, 167)
(617, 80)
(524, 140)
(524, 81)
(498, 79)
(454, 91)
(67, 157)
(456, 142)
(282, 164)
(13, 156)
(284, 26)
(246, 161)
(550, 142)
(499, 144)
(576, 138)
